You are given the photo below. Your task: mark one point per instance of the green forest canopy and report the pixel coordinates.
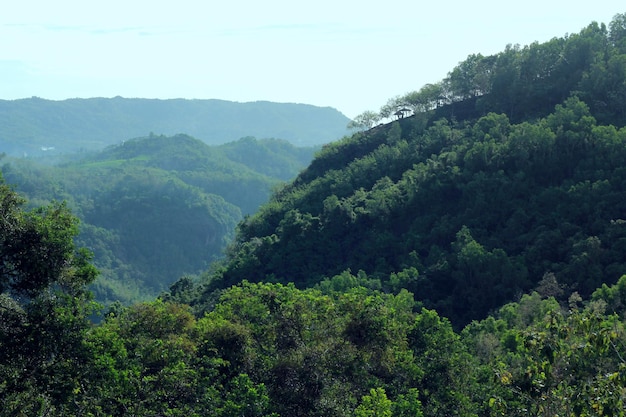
(465, 213)
(431, 204)
(158, 207)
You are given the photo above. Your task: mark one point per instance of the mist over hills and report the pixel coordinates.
(469, 260)
(36, 126)
(157, 207)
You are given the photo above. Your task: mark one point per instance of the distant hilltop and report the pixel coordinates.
(35, 125)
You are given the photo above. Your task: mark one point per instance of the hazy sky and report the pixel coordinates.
(352, 55)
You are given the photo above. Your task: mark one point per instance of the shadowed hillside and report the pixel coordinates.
(468, 261)
(464, 205)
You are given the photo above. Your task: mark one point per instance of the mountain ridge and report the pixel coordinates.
(466, 213)
(37, 127)
(457, 266)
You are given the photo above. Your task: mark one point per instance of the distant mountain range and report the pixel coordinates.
(37, 127)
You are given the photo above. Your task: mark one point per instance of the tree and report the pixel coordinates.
(408, 405)
(393, 104)
(244, 398)
(617, 32)
(471, 77)
(445, 365)
(44, 305)
(570, 363)
(505, 82)
(374, 405)
(364, 121)
(429, 97)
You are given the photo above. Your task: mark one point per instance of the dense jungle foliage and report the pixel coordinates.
(155, 208)
(46, 129)
(433, 266)
(467, 214)
(467, 217)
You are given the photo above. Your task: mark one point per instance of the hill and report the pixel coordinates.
(38, 127)
(466, 213)
(158, 207)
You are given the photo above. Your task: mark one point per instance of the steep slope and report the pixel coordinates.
(465, 217)
(467, 214)
(39, 127)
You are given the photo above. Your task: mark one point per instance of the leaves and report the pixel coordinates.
(43, 305)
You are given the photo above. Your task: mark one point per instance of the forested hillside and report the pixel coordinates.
(45, 128)
(468, 260)
(274, 350)
(467, 217)
(156, 208)
(467, 214)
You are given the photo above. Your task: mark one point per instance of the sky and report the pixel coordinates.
(352, 55)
